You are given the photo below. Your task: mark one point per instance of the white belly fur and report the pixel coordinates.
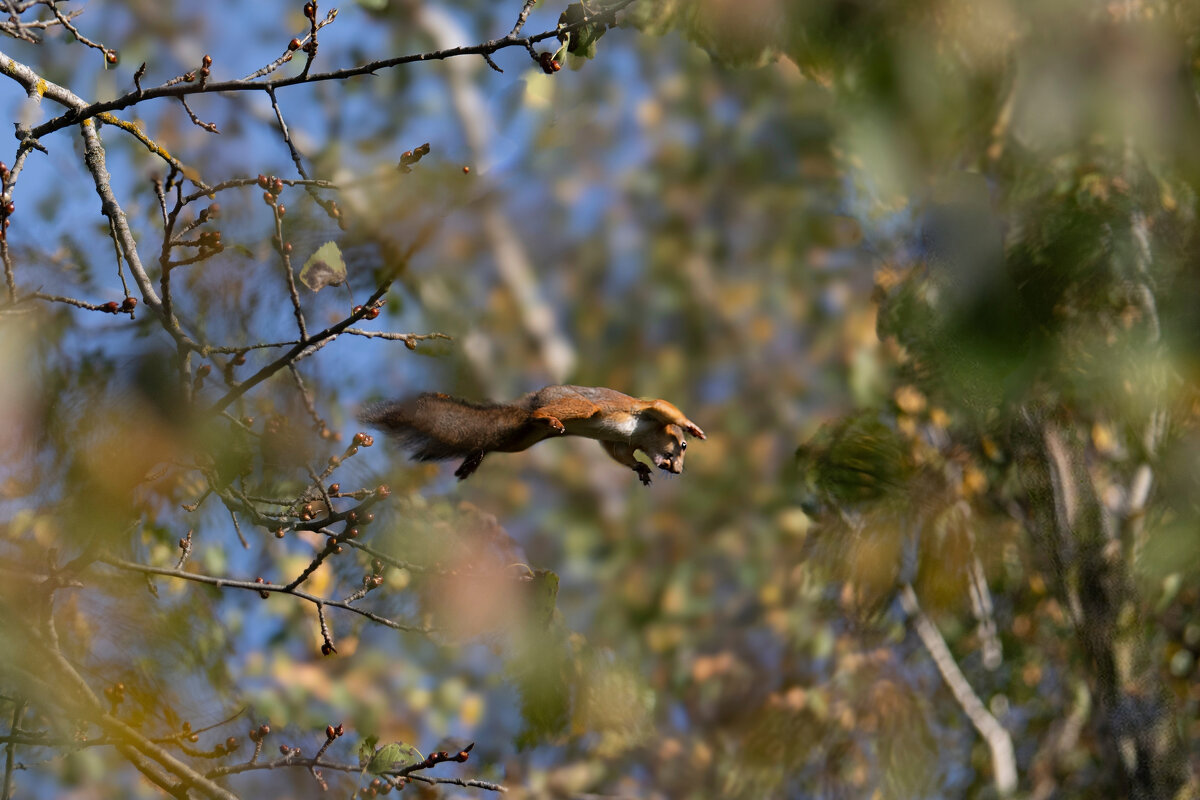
(618, 429)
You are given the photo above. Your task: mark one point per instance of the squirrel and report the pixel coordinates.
(435, 427)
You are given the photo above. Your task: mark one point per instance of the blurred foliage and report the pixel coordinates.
(948, 250)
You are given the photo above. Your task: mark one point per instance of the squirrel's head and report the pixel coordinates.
(665, 445)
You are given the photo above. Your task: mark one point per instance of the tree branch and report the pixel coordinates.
(222, 583)
(999, 741)
(80, 111)
(18, 712)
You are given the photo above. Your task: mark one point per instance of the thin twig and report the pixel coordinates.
(10, 181)
(522, 17)
(289, 275)
(296, 352)
(211, 127)
(238, 528)
(185, 549)
(285, 762)
(306, 397)
(261, 587)
(330, 548)
(309, 186)
(65, 21)
(397, 337)
(326, 638)
(54, 298)
(95, 161)
(112, 233)
(18, 712)
(468, 783)
(287, 137)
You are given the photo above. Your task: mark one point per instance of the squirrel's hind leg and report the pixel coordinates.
(469, 465)
(566, 408)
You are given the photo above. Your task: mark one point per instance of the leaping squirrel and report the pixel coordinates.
(434, 427)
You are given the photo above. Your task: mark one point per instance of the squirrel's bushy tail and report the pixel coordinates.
(434, 427)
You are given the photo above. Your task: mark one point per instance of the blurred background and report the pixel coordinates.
(948, 250)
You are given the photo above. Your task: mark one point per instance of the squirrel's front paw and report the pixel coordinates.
(555, 425)
(643, 473)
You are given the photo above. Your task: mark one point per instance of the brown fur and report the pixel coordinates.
(436, 427)
(433, 427)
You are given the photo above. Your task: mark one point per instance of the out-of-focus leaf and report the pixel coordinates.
(541, 676)
(736, 33)
(324, 268)
(856, 460)
(543, 593)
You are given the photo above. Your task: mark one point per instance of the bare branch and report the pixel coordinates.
(211, 127)
(261, 587)
(407, 338)
(94, 158)
(522, 17)
(14, 727)
(1004, 762)
(65, 21)
(58, 682)
(78, 111)
(289, 761)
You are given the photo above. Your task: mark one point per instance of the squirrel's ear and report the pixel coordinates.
(693, 429)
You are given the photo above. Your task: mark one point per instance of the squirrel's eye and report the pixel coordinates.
(683, 445)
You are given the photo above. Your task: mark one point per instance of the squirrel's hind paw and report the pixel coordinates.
(469, 465)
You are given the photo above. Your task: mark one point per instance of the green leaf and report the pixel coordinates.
(544, 596)
(542, 673)
(366, 750)
(581, 41)
(324, 268)
(393, 758)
